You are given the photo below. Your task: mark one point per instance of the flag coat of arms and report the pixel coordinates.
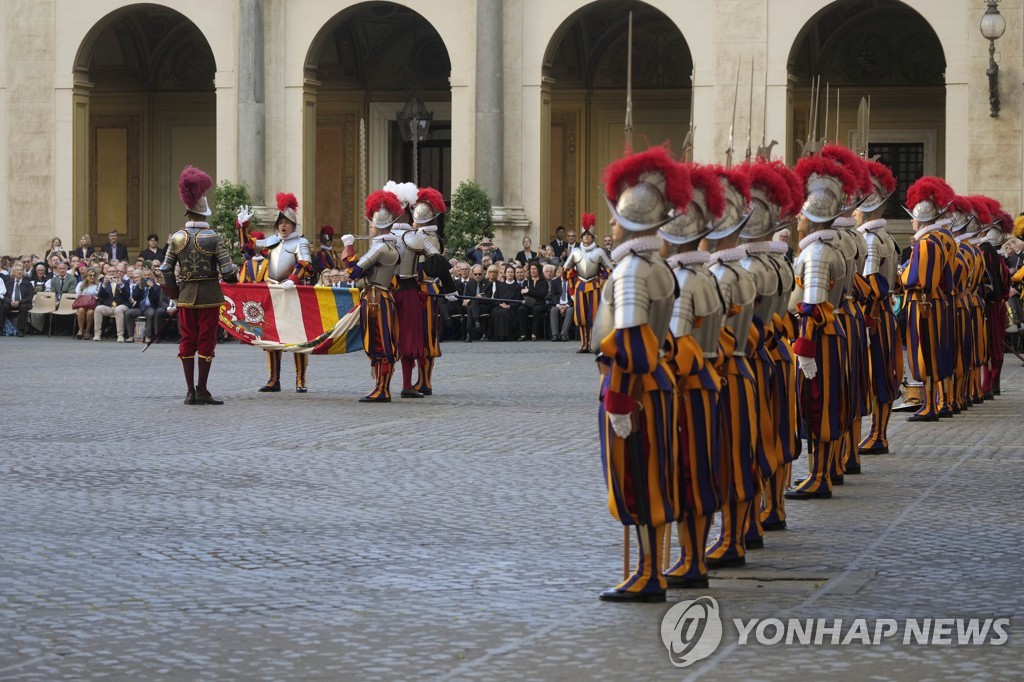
(300, 319)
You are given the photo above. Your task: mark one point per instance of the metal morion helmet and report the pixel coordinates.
(641, 189)
(883, 184)
(428, 205)
(286, 205)
(961, 215)
(707, 203)
(846, 158)
(771, 200)
(383, 209)
(736, 184)
(827, 185)
(193, 184)
(928, 198)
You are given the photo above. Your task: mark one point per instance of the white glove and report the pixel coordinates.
(451, 297)
(348, 240)
(809, 366)
(621, 424)
(287, 284)
(244, 214)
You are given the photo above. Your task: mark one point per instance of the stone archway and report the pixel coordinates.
(364, 65)
(144, 107)
(878, 49)
(584, 102)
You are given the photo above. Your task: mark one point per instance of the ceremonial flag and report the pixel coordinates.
(300, 319)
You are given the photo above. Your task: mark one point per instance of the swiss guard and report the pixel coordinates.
(202, 259)
(820, 345)
(326, 257)
(435, 279)
(586, 268)
(693, 342)
(288, 263)
(885, 353)
(637, 414)
(377, 312)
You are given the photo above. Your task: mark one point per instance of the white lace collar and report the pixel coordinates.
(844, 221)
(758, 247)
(695, 257)
(927, 229)
(198, 224)
(779, 247)
(872, 225)
(821, 235)
(637, 245)
(583, 247)
(729, 255)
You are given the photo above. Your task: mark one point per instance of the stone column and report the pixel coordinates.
(489, 148)
(251, 116)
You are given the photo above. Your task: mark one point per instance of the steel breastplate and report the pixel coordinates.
(588, 264)
(641, 291)
(282, 259)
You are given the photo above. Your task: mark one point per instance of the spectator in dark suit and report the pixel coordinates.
(558, 244)
(153, 250)
(504, 313)
(477, 303)
(62, 282)
(112, 299)
(85, 247)
(113, 248)
(17, 298)
(145, 298)
(532, 313)
(485, 249)
(559, 305)
(527, 254)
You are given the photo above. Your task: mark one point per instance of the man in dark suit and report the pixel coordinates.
(559, 305)
(480, 290)
(144, 300)
(558, 244)
(17, 298)
(113, 248)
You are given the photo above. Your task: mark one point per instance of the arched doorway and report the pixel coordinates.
(585, 78)
(878, 49)
(365, 65)
(144, 108)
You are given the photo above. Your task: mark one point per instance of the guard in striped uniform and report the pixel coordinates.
(925, 278)
(288, 262)
(885, 352)
(254, 269)
(586, 269)
(434, 279)
(738, 406)
(820, 346)
(693, 342)
(997, 276)
(772, 207)
(953, 393)
(637, 414)
(377, 312)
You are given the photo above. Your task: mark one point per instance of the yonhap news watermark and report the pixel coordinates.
(692, 630)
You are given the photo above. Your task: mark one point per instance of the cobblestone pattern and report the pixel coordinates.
(143, 538)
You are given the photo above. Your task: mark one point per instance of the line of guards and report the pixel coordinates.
(719, 356)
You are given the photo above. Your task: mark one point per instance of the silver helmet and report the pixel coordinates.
(689, 225)
(764, 218)
(926, 211)
(734, 217)
(642, 206)
(877, 197)
(825, 199)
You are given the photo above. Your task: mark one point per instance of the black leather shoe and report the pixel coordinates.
(877, 450)
(583, 350)
(754, 543)
(769, 526)
(945, 414)
(679, 582)
(207, 399)
(730, 562)
(411, 393)
(987, 396)
(379, 399)
(923, 418)
(639, 597)
(793, 494)
(426, 391)
(837, 480)
(190, 398)
(270, 388)
(852, 468)
(300, 389)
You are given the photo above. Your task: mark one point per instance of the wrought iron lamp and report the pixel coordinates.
(414, 124)
(992, 27)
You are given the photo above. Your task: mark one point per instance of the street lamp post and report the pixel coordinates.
(992, 27)
(414, 124)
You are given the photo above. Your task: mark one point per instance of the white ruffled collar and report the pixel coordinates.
(198, 224)
(820, 235)
(844, 221)
(584, 247)
(779, 247)
(758, 247)
(385, 237)
(927, 229)
(729, 255)
(428, 228)
(637, 245)
(689, 258)
(872, 225)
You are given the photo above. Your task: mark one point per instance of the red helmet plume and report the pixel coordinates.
(848, 159)
(627, 171)
(705, 178)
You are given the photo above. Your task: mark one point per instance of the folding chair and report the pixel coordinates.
(64, 308)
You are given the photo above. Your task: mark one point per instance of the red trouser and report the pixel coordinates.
(198, 328)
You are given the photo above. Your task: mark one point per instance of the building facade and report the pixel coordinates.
(104, 101)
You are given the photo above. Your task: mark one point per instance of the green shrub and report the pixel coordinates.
(228, 197)
(469, 219)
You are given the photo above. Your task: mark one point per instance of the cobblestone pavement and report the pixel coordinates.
(464, 536)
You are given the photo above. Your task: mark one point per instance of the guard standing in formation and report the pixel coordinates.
(585, 270)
